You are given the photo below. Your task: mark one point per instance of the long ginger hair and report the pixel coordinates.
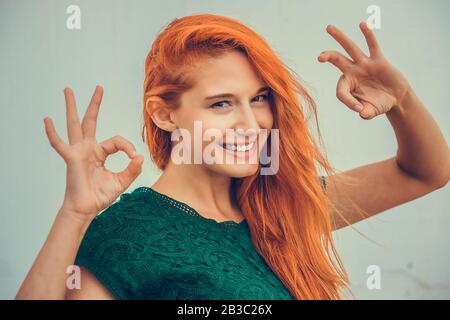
(287, 212)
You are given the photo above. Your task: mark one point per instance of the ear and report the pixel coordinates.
(163, 119)
(161, 115)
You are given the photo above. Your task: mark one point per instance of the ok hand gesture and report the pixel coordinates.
(90, 187)
(368, 85)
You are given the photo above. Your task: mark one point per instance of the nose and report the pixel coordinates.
(246, 123)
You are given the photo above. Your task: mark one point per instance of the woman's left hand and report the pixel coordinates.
(369, 85)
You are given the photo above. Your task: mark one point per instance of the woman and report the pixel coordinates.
(219, 230)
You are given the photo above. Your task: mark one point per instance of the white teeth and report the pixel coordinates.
(239, 148)
(231, 147)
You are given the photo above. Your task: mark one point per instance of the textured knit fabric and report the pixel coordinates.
(147, 245)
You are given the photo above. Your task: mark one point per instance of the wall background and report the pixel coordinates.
(39, 56)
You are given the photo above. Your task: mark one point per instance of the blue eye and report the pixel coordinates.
(217, 104)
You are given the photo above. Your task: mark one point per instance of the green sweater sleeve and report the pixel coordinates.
(100, 246)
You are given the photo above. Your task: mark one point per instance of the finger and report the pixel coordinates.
(89, 122)
(343, 93)
(130, 173)
(74, 131)
(117, 143)
(55, 141)
(371, 40)
(337, 59)
(368, 112)
(352, 49)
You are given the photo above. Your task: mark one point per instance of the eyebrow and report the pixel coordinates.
(230, 95)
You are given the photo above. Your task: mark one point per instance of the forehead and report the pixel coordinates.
(229, 73)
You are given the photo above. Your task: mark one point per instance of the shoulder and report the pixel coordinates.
(133, 210)
(131, 207)
(115, 237)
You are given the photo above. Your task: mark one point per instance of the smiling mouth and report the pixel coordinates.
(239, 147)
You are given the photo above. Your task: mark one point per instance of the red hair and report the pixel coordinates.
(287, 212)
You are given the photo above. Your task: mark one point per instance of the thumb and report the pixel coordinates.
(343, 93)
(131, 172)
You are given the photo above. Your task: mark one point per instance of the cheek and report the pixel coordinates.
(265, 121)
(213, 131)
(264, 118)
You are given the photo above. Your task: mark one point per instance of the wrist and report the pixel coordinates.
(402, 102)
(80, 221)
(404, 95)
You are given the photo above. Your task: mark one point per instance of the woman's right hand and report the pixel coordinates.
(90, 187)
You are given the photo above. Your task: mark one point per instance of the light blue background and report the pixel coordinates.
(39, 56)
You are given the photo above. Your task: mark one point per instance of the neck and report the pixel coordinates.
(207, 192)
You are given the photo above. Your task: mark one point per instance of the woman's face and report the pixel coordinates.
(233, 120)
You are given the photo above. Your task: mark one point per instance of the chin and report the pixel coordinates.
(236, 170)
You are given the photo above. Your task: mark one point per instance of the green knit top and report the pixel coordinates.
(148, 245)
